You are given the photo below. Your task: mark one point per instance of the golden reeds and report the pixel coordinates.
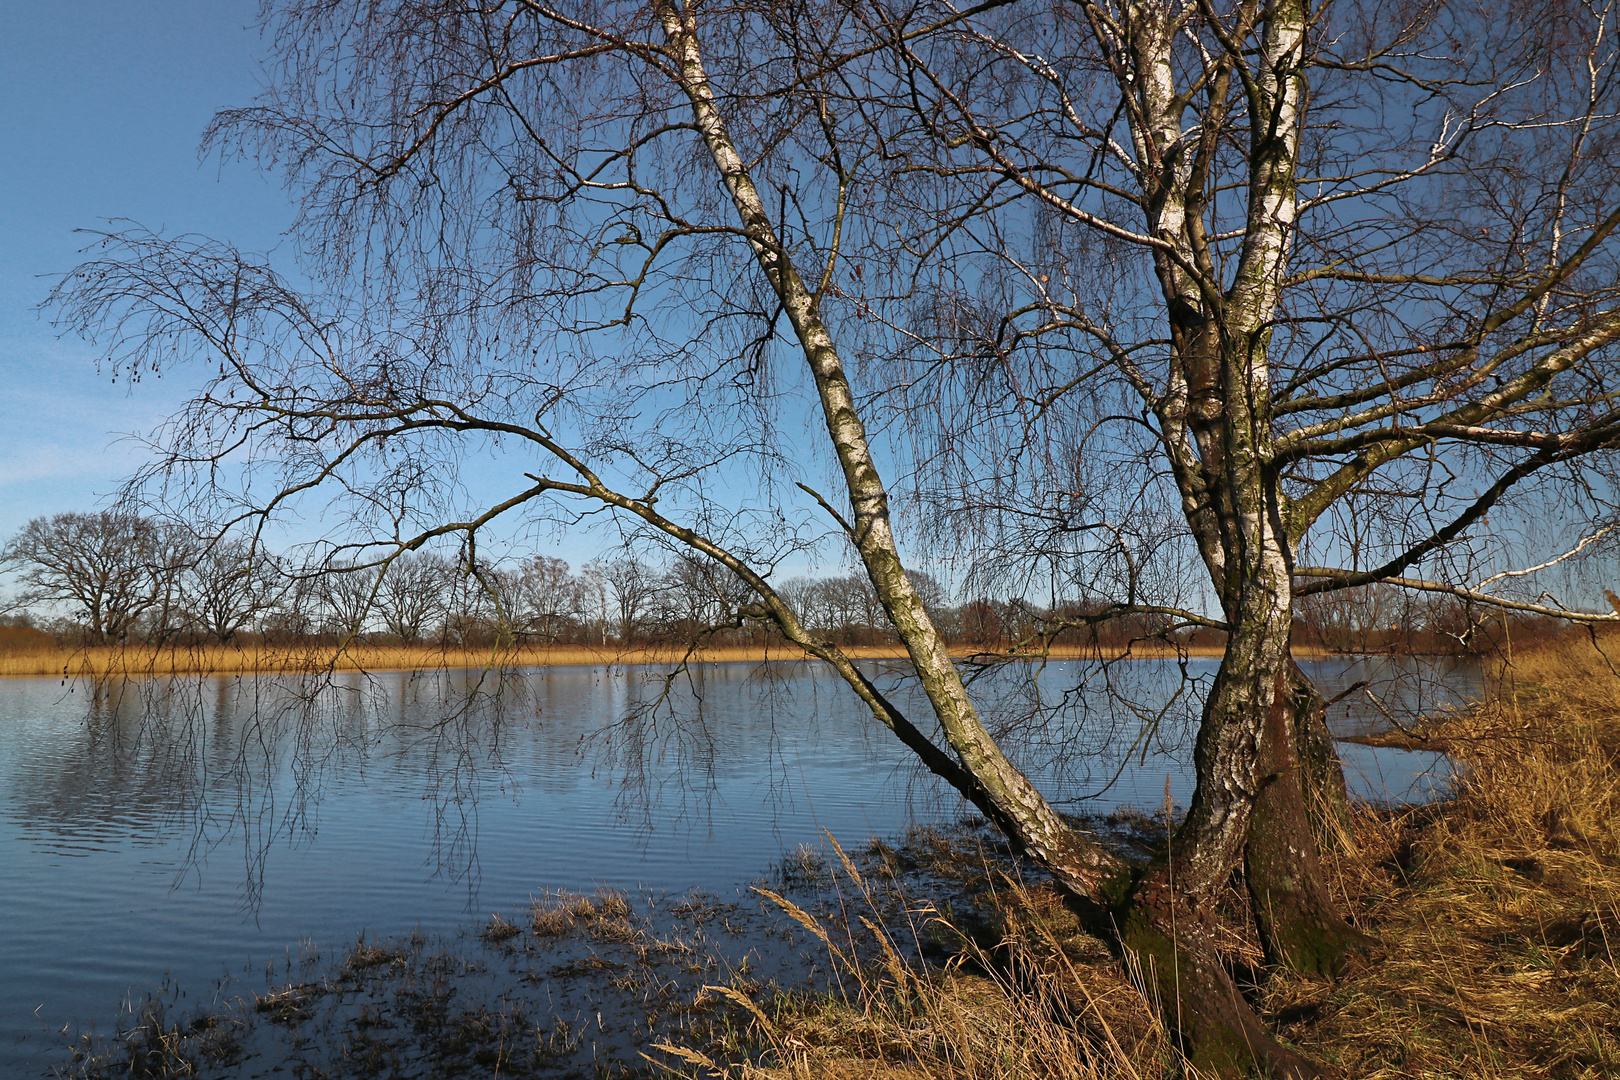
(138, 660)
(226, 659)
(1498, 911)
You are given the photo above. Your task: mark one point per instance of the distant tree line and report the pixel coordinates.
(112, 577)
(116, 577)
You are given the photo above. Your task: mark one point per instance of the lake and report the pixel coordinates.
(168, 834)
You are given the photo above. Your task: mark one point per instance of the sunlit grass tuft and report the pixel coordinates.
(1033, 1006)
(605, 914)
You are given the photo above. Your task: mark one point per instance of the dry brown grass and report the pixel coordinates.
(1499, 911)
(1046, 1003)
(137, 661)
(1497, 914)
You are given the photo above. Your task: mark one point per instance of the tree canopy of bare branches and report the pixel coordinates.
(109, 568)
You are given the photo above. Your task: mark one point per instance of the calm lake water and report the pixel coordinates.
(200, 829)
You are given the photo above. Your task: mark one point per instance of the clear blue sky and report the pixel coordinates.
(102, 107)
(104, 102)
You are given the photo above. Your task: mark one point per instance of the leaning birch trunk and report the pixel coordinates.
(1167, 917)
(1013, 802)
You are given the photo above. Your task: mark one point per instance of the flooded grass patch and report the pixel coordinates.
(583, 990)
(577, 985)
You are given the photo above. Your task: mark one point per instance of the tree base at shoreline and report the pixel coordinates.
(1496, 916)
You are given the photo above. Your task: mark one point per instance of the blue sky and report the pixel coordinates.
(104, 105)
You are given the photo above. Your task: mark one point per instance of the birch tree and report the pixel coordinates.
(549, 601)
(1342, 273)
(1111, 293)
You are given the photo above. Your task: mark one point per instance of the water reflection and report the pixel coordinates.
(1369, 692)
(198, 825)
(251, 760)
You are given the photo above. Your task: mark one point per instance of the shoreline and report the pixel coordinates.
(1491, 920)
(135, 661)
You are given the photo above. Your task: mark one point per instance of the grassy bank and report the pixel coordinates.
(1499, 911)
(226, 659)
(1497, 915)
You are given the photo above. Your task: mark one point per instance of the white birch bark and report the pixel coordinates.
(1030, 821)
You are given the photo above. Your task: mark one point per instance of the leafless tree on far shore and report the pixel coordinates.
(107, 567)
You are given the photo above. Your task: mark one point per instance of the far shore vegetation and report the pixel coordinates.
(50, 658)
(28, 651)
(111, 592)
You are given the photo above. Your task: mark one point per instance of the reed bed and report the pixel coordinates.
(138, 660)
(100, 661)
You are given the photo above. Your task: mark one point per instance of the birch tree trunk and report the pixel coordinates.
(1013, 803)
(1169, 915)
(1248, 806)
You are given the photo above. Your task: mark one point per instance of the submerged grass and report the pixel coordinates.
(508, 1000)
